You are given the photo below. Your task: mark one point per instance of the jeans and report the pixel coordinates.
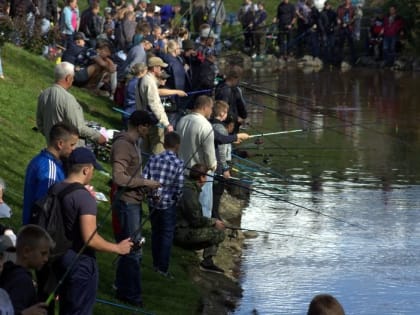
(346, 35)
(163, 228)
(389, 49)
(206, 196)
(217, 28)
(128, 276)
(78, 291)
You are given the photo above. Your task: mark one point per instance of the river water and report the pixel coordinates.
(347, 188)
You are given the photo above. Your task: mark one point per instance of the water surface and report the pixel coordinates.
(349, 183)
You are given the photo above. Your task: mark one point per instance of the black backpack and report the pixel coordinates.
(47, 212)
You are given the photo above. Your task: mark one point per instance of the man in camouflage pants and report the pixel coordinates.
(193, 230)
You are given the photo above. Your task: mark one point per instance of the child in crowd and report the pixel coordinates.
(168, 170)
(32, 249)
(223, 139)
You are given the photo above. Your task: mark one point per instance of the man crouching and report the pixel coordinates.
(193, 230)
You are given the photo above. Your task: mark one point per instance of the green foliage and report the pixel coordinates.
(26, 75)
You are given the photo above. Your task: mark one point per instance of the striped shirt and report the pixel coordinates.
(168, 170)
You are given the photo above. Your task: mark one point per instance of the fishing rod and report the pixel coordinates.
(235, 228)
(276, 133)
(290, 99)
(86, 244)
(220, 178)
(124, 307)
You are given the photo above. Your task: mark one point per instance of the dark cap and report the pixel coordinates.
(79, 35)
(188, 44)
(84, 156)
(149, 38)
(140, 117)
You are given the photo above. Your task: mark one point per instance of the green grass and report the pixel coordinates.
(26, 75)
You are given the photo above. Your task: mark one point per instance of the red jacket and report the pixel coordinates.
(393, 26)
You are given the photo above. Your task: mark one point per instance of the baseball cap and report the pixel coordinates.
(156, 61)
(149, 38)
(84, 156)
(140, 117)
(79, 35)
(187, 44)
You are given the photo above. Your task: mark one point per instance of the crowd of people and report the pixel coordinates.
(143, 63)
(324, 33)
(183, 161)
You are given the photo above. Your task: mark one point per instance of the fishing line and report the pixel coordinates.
(235, 228)
(274, 94)
(124, 307)
(217, 177)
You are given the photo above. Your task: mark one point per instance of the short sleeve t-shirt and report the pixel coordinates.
(75, 204)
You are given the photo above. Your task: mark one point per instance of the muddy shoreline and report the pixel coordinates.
(220, 294)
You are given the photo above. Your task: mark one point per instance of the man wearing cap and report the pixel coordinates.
(191, 64)
(56, 104)
(150, 101)
(207, 54)
(78, 291)
(75, 48)
(128, 188)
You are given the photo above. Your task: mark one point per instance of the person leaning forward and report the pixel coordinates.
(150, 101)
(56, 104)
(193, 230)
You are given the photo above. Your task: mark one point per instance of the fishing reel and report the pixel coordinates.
(259, 141)
(138, 244)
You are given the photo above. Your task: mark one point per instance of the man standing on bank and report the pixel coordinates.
(129, 192)
(78, 291)
(149, 100)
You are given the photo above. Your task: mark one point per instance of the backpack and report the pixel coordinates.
(47, 212)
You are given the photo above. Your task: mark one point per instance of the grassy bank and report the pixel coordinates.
(26, 75)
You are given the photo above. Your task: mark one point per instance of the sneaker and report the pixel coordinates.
(129, 301)
(210, 267)
(167, 274)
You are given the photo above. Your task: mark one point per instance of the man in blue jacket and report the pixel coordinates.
(46, 168)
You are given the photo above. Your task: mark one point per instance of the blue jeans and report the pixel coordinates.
(163, 229)
(128, 277)
(206, 196)
(78, 291)
(389, 49)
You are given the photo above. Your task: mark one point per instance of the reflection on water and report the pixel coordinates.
(352, 178)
